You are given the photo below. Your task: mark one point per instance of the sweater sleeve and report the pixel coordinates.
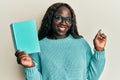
(34, 73)
(95, 63)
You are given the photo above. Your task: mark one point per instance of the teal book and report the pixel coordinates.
(25, 37)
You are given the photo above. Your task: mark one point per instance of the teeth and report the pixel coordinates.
(62, 29)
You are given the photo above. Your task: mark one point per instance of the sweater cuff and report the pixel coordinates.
(32, 73)
(99, 54)
(30, 70)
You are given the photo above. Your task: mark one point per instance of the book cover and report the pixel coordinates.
(25, 37)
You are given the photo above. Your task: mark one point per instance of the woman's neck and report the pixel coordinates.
(57, 36)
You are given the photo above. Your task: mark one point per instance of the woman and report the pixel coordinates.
(65, 55)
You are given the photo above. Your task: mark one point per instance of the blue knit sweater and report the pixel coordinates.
(66, 59)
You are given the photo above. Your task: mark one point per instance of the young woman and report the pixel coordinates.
(65, 55)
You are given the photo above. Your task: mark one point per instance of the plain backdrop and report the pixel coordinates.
(92, 15)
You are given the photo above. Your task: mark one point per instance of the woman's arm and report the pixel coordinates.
(34, 73)
(96, 64)
(31, 64)
(96, 61)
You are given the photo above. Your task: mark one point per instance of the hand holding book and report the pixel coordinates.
(24, 59)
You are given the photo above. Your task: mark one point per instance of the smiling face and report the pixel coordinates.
(61, 22)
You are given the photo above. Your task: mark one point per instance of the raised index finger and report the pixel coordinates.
(98, 33)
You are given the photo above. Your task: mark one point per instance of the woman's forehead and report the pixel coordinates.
(63, 10)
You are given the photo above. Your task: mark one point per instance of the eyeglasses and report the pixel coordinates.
(68, 20)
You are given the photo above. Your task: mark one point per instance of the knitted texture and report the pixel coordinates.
(66, 59)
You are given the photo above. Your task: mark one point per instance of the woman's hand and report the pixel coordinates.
(100, 41)
(24, 59)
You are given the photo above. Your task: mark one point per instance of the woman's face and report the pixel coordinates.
(61, 22)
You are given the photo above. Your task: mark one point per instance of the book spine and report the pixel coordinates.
(13, 36)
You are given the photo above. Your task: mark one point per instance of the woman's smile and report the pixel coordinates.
(62, 28)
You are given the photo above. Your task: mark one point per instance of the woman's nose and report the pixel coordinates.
(63, 22)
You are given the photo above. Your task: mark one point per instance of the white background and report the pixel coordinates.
(92, 15)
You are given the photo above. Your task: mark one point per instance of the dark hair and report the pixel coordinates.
(45, 28)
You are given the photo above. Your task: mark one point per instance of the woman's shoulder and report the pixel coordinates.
(83, 41)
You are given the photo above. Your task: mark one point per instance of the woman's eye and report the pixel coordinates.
(58, 17)
(68, 19)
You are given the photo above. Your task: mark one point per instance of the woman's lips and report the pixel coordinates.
(62, 29)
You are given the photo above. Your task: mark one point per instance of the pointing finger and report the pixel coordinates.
(98, 33)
